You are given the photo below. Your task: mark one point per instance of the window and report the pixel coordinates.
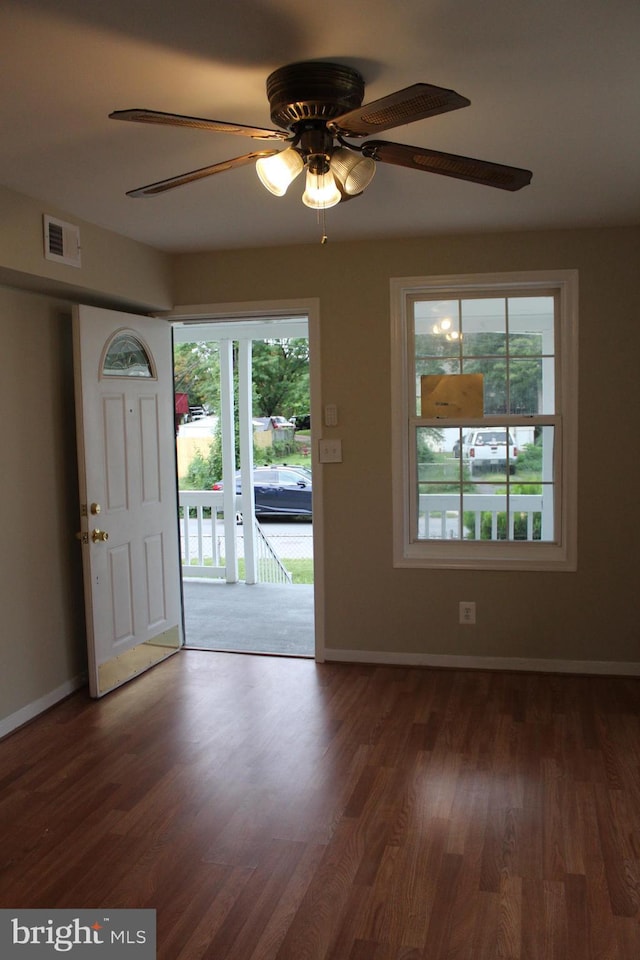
(485, 419)
(126, 356)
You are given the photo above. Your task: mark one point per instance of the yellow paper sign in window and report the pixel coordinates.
(452, 396)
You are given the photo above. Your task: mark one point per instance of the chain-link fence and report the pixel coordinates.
(293, 542)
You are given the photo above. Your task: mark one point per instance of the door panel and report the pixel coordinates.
(128, 507)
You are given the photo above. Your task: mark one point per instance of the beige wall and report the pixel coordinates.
(115, 270)
(41, 635)
(41, 608)
(370, 606)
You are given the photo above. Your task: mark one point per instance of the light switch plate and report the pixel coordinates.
(330, 451)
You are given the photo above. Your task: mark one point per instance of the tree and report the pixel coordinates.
(434, 354)
(281, 377)
(197, 373)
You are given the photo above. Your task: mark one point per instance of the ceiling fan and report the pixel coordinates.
(316, 105)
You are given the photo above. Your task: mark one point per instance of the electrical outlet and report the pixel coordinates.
(467, 609)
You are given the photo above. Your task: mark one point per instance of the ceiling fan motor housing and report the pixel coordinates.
(312, 91)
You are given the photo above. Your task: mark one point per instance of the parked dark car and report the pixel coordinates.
(279, 491)
(303, 422)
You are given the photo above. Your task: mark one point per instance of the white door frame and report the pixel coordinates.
(195, 316)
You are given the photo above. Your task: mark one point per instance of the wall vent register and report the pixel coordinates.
(61, 241)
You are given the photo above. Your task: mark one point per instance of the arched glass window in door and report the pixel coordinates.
(126, 356)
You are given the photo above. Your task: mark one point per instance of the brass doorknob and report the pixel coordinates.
(99, 536)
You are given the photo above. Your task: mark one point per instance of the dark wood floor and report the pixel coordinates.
(275, 808)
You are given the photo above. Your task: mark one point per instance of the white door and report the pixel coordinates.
(128, 499)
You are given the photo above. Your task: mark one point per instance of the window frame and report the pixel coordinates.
(559, 554)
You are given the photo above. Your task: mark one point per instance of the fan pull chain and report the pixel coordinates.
(322, 220)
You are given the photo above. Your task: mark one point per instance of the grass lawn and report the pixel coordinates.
(301, 570)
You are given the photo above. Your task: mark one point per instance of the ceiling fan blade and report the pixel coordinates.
(161, 186)
(217, 126)
(404, 106)
(449, 164)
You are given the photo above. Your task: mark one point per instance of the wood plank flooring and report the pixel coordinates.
(276, 809)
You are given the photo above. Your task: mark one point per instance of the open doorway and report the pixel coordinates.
(243, 408)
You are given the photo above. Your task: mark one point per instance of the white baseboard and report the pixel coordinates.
(597, 667)
(32, 710)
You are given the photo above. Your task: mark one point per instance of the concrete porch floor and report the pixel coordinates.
(249, 618)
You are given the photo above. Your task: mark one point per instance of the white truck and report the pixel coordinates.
(489, 449)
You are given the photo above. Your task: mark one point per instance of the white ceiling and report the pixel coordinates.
(554, 87)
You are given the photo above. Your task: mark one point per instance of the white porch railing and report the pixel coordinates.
(440, 514)
(203, 548)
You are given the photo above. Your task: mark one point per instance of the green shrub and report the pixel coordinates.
(424, 450)
(203, 471)
(519, 523)
(281, 449)
(530, 458)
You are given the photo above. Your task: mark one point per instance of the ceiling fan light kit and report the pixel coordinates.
(318, 104)
(321, 191)
(353, 170)
(278, 172)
